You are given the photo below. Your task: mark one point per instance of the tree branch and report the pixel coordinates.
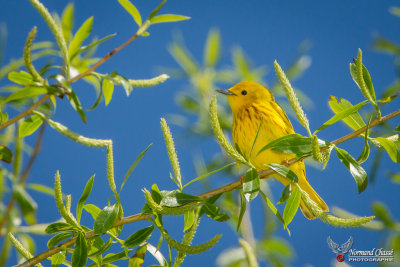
(226, 188)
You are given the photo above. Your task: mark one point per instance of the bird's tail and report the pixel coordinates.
(305, 186)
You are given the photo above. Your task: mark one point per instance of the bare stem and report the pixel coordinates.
(226, 188)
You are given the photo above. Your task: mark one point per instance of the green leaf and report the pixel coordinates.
(273, 209)
(139, 237)
(21, 77)
(256, 136)
(175, 199)
(251, 255)
(243, 206)
(29, 126)
(103, 248)
(76, 104)
(133, 166)
(383, 214)
(93, 210)
(58, 238)
(138, 258)
(156, 194)
(292, 143)
(342, 115)
(67, 21)
(5, 154)
(157, 9)
(208, 174)
(354, 120)
(85, 48)
(292, 205)
(106, 219)
(108, 90)
(358, 173)
(188, 220)
(26, 92)
(397, 129)
(212, 48)
(131, 10)
(284, 171)
(251, 184)
(167, 18)
(98, 99)
(80, 36)
(121, 80)
(26, 203)
(386, 46)
(395, 11)
(286, 192)
(80, 254)
(390, 147)
(58, 227)
(41, 188)
(83, 198)
(214, 212)
(389, 98)
(366, 149)
(57, 259)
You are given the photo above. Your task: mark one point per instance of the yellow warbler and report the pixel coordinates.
(251, 103)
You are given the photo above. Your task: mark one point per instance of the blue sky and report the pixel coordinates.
(266, 30)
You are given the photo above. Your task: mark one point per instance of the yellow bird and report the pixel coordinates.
(251, 103)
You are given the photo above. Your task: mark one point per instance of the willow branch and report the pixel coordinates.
(226, 188)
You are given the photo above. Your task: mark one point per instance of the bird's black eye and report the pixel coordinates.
(244, 92)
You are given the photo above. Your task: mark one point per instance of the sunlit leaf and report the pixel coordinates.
(58, 227)
(108, 89)
(67, 21)
(251, 184)
(284, 171)
(29, 125)
(359, 174)
(26, 92)
(106, 219)
(167, 18)
(214, 212)
(175, 199)
(385, 45)
(354, 120)
(383, 214)
(286, 192)
(273, 209)
(188, 220)
(212, 48)
(85, 48)
(80, 36)
(92, 210)
(41, 188)
(139, 237)
(26, 203)
(20, 77)
(58, 238)
(292, 143)
(57, 259)
(131, 9)
(390, 147)
(76, 104)
(292, 205)
(85, 194)
(243, 206)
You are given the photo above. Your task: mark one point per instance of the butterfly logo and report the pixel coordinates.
(340, 250)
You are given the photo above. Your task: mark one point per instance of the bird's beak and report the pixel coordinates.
(225, 92)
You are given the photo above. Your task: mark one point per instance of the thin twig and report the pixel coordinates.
(24, 175)
(226, 188)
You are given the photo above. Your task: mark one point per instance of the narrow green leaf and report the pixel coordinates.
(397, 129)
(103, 248)
(80, 254)
(58, 227)
(383, 214)
(26, 92)
(251, 255)
(106, 219)
(157, 9)
(395, 10)
(353, 120)
(80, 36)
(286, 192)
(175, 199)
(76, 104)
(85, 194)
(26, 203)
(386, 46)
(188, 220)
(358, 173)
(243, 206)
(5, 154)
(67, 21)
(366, 149)
(273, 209)
(389, 98)
(284, 171)
(98, 100)
(256, 136)
(92, 210)
(121, 80)
(85, 48)
(108, 90)
(292, 205)
(390, 147)
(58, 238)
(214, 212)
(251, 184)
(292, 143)
(167, 18)
(20, 77)
(139, 237)
(183, 58)
(212, 48)
(29, 126)
(341, 115)
(131, 9)
(57, 259)
(133, 166)
(208, 174)
(41, 188)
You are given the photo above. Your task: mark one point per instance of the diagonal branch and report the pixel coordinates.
(226, 188)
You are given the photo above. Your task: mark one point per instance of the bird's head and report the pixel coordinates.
(246, 93)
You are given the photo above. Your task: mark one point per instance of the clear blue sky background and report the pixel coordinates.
(266, 30)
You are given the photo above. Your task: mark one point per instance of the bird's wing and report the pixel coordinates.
(346, 246)
(332, 245)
